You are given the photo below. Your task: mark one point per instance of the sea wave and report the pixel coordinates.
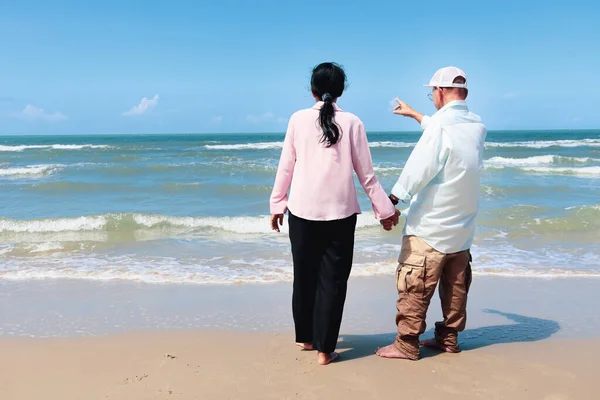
(130, 222)
(245, 146)
(584, 172)
(70, 187)
(279, 145)
(31, 170)
(525, 220)
(54, 147)
(540, 144)
(386, 171)
(539, 160)
(577, 219)
(535, 144)
(391, 144)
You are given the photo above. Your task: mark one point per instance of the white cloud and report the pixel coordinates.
(257, 119)
(512, 95)
(218, 119)
(145, 106)
(33, 113)
(282, 120)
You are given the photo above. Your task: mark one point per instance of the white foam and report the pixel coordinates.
(391, 144)
(79, 146)
(258, 261)
(121, 222)
(54, 146)
(243, 225)
(245, 146)
(387, 169)
(551, 274)
(31, 170)
(168, 270)
(53, 225)
(595, 207)
(279, 145)
(539, 144)
(537, 160)
(585, 172)
(44, 247)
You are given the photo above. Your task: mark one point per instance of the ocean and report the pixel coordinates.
(193, 209)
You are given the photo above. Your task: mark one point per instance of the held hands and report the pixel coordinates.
(276, 221)
(390, 222)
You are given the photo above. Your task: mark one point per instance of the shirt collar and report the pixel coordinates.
(455, 105)
(319, 104)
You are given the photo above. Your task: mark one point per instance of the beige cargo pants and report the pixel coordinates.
(419, 270)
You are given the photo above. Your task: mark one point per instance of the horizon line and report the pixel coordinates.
(278, 132)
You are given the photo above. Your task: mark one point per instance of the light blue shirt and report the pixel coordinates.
(441, 179)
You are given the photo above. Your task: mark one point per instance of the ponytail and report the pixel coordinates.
(331, 131)
(327, 84)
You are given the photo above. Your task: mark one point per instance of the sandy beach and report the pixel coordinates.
(526, 339)
(209, 365)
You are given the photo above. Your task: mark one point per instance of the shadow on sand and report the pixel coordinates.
(523, 329)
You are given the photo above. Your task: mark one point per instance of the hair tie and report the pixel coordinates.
(326, 97)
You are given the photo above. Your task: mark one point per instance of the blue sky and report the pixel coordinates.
(239, 66)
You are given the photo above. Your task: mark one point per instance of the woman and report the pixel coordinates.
(323, 146)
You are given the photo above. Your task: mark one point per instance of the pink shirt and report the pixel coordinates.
(322, 178)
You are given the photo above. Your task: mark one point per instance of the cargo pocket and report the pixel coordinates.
(469, 274)
(410, 275)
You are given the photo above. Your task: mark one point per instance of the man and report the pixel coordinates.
(440, 181)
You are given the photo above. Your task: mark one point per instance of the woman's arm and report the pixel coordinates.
(285, 171)
(363, 166)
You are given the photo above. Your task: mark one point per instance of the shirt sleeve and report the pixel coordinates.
(424, 163)
(363, 166)
(425, 122)
(285, 172)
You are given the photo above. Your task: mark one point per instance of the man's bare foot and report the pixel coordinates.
(327, 358)
(305, 346)
(391, 351)
(434, 344)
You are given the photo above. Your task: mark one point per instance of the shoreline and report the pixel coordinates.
(513, 308)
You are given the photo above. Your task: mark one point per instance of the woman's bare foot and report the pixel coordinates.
(305, 346)
(434, 344)
(327, 358)
(391, 351)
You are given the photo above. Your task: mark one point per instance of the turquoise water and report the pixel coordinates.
(194, 208)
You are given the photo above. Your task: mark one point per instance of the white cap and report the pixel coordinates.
(445, 76)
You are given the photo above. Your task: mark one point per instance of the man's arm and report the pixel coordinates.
(425, 161)
(407, 111)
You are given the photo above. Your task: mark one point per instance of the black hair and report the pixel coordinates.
(328, 82)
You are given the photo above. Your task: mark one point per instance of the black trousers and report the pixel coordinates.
(322, 252)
